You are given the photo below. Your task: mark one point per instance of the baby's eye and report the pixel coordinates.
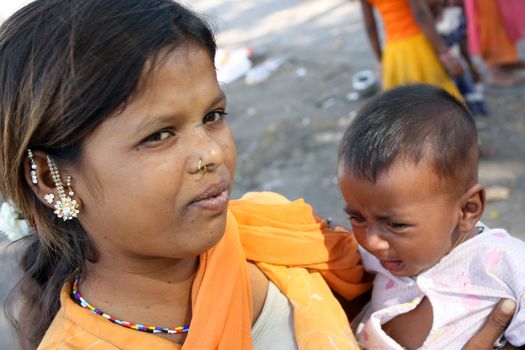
(215, 117)
(397, 225)
(356, 220)
(158, 136)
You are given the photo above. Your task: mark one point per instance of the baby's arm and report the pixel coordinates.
(424, 19)
(371, 28)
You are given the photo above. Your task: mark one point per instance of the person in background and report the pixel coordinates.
(413, 50)
(452, 26)
(513, 16)
(494, 38)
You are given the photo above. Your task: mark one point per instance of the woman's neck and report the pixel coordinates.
(131, 270)
(156, 292)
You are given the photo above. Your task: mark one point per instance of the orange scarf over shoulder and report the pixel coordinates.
(298, 253)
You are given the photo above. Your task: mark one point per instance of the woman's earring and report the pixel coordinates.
(50, 197)
(34, 179)
(66, 208)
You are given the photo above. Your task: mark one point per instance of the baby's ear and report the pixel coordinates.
(472, 207)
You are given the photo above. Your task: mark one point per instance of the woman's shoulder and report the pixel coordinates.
(64, 333)
(259, 283)
(75, 328)
(67, 335)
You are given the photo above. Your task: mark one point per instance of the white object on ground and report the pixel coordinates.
(13, 227)
(363, 80)
(263, 71)
(231, 65)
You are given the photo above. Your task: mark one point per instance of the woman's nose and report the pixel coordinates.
(206, 154)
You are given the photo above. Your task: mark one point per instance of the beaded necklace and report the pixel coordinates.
(149, 329)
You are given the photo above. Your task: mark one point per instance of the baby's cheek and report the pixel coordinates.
(359, 236)
(425, 261)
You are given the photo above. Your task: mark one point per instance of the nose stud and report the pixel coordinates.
(201, 167)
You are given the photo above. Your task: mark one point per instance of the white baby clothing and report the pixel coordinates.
(462, 288)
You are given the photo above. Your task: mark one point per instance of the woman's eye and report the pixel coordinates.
(214, 117)
(158, 136)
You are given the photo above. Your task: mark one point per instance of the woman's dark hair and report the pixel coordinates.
(65, 67)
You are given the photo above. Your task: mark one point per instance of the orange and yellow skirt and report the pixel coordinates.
(413, 60)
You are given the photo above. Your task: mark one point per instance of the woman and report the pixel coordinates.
(115, 148)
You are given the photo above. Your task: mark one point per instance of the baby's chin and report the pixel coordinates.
(401, 269)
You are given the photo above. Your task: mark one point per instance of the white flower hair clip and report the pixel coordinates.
(11, 223)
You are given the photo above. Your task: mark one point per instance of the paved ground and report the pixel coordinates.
(288, 127)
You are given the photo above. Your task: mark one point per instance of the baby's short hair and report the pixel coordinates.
(411, 122)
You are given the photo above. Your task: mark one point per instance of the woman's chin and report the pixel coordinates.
(206, 238)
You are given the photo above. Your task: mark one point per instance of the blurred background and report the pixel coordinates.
(287, 68)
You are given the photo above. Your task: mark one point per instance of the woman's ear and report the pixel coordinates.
(38, 177)
(472, 207)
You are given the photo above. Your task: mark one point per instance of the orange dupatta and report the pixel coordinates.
(297, 252)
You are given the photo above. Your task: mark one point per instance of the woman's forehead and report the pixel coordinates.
(181, 57)
(182, 82)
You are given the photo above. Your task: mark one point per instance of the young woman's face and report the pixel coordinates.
(141, 192)
(406, 218)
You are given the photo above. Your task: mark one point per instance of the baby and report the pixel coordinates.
(408, 176)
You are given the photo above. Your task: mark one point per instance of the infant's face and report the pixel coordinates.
(405, 219)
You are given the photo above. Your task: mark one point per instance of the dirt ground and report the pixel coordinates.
(287, 128)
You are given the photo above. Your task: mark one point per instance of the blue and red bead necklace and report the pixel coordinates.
(139, 327)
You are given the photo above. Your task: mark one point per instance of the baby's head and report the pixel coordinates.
(408, 176)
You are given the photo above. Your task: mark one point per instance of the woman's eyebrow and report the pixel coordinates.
(220, 98)
(162, 119)
(152, 121)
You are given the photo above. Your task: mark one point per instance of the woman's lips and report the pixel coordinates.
(392, 265)
(214, 202)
